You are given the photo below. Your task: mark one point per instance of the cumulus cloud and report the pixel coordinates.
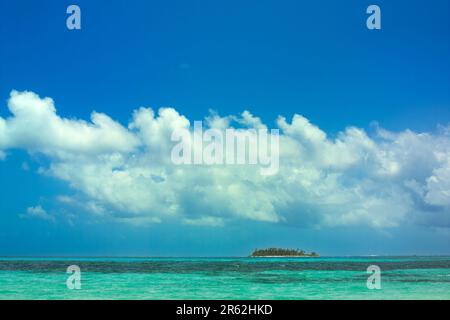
(36, 127)
(39, 213)
(384, 180)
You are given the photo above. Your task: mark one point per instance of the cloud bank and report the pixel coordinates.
(126, 173)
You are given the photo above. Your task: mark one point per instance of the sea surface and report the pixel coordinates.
(226, 278)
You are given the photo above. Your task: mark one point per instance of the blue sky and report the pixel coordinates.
(316, 59)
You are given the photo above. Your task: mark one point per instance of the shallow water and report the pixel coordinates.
(226, 278)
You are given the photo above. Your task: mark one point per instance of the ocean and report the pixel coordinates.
(226, 278)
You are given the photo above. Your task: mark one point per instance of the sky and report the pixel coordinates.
(86, 116)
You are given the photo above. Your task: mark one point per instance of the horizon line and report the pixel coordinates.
(219, 257)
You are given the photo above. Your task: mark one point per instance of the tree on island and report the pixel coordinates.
(282, 252)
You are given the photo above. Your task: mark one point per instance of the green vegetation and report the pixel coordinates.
(277, 252)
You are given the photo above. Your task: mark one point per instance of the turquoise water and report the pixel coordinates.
(226, 278)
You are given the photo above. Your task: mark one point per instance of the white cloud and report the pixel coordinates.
(35, 126)
(438, 187)
(39, 213)
(205, 221)
(385, 180)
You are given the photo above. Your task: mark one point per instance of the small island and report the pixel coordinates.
(277, 252)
